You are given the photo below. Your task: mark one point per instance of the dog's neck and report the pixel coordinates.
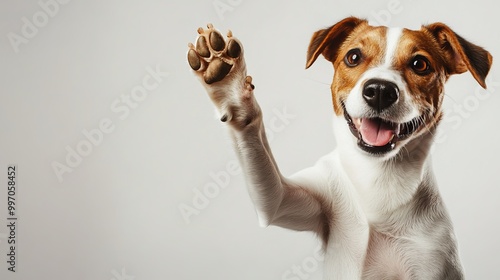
(383, 184)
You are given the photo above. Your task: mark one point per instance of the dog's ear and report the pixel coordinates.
(460, 54)
(327, 41)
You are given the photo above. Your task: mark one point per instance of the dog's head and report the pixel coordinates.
(389, 82)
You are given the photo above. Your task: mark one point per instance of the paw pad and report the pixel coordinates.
(217, 41)
(194, 60)
(213, 56)
(202, 47)
(233, 49)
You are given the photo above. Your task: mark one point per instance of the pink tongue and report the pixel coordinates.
(376, 132)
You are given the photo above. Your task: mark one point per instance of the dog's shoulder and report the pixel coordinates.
(320, 177)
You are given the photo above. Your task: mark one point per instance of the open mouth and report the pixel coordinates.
(379, 136)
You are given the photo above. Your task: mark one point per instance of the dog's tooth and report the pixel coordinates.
(357, 121)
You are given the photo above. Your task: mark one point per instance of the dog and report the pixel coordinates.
(373, 201)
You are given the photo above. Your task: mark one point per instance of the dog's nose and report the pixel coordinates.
(380, 94)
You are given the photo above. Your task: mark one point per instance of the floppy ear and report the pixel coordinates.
(327, 41)
(460, 54)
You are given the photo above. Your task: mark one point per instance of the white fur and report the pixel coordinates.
(364, 207)
(392, 38)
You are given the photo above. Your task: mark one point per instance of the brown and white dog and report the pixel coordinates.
(373, 201)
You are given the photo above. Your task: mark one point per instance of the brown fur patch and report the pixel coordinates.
(460, 54)
(371, 42)
(426, 90)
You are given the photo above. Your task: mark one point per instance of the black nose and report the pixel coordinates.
(380, 94)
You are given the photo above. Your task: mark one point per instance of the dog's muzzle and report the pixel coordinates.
(377, 135)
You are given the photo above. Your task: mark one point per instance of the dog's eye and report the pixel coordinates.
(353, 58)
(420, 65)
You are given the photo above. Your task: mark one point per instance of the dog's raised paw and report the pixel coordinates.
(214, 57)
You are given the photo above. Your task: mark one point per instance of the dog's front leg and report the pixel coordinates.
(220, 65)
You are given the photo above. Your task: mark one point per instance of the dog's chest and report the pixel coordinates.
(381, 188)
(384, 258)
(401, 257)
(384, 255)
(381, 197)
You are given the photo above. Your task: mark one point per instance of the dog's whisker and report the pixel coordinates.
(319, 82)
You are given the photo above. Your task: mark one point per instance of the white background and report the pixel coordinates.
(116, 214)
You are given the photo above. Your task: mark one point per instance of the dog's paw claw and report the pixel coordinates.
(248, 83)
